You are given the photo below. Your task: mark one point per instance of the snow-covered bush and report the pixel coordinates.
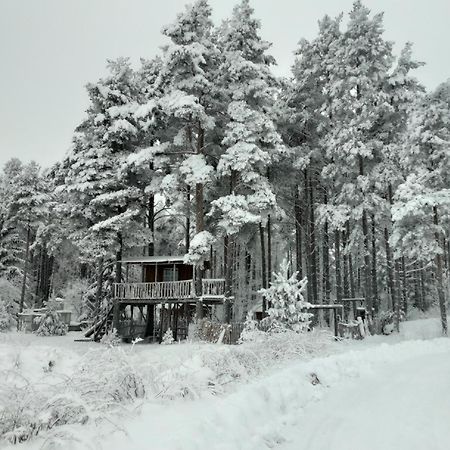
(50, 323)
(288, 308)
(251, 331)
(98, 385)
(7, 320)
(168, 337)
(283, 344)
(9, 298)
(111, 339)
(105, 377)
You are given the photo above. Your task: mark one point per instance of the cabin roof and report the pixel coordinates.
(153, 259)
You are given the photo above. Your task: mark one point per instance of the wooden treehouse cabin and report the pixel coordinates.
(161, 292)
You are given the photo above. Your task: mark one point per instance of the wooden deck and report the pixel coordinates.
(180, 291)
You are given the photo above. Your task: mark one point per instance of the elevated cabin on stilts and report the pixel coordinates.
(165, 296)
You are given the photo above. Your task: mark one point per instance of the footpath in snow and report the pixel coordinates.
(386, 397)
(402, 405)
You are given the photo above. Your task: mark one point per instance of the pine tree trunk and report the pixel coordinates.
(345, 261)
(337, 252)
(269, 250)
(391, 281)
(350, 267)
(187, 237)
(422, 289)
(374, 268)
(306, 213)
(263, 263)
(417, 299)
(298, 234)
(439, 277)
(326, 263)
(37, 291)
(151, 225)
(393, 268)
(99, 287)
(404, 287)
(312, 240)
(228, 264)
(25, 268)
(199, 223)
(118, 276)
(367, 266)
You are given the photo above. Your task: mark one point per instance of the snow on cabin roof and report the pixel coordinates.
(153, 259)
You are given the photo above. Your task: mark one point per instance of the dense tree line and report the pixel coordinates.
(344, 167)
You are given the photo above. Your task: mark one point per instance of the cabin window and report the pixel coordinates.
(170, 274)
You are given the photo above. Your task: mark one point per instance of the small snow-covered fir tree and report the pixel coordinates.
(288, 308)
(51, 324)
(168, 337)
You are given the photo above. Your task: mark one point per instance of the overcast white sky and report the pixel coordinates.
(49, 49)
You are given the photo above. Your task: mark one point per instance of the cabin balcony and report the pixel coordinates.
(173, 291)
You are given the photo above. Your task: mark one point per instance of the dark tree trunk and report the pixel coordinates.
(391, 281)
(25, 268)
(118, 277)
(312, 240)
(392, 270)
(228, 269)
(422, 289)
(404, 287)
(187, 236)
(376, 300)
(345, 268)
(367, 266)
(269, 250)
(337, 252)
(439, 277)
(307, 231)
(326, 263)
(417, 299)
(199, 223)
(298, 234)
(151, 225)
(263, 263)
(350, 267)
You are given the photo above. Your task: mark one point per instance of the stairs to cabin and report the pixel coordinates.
(101, 327)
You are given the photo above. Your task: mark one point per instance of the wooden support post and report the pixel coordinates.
(161, 323)
(116, 315)
(335, 323)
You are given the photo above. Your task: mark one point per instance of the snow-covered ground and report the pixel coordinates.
(385, 392)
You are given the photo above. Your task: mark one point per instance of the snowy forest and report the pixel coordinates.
(342, 168)
(286, 238)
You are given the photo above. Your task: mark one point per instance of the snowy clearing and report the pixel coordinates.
(361, 386)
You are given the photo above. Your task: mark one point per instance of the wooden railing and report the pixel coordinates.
(168, 289)
(213, 287)
(148, 291)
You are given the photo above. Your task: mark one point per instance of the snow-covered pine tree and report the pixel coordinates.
(167, 339)
(288, 309)
(10, 240)
(420, 212)
(187, 74)
(251, 140)
(306, 117)
(50, 323)
(27, 208)
(362, 61)
(191, 100)
(104, 197)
